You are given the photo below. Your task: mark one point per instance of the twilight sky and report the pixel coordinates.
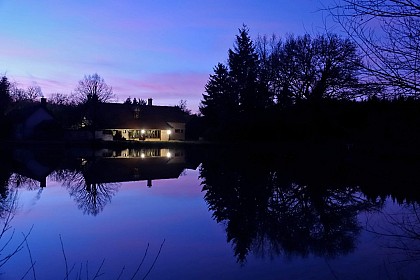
(157, 49)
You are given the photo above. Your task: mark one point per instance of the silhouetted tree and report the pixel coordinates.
(60, 99)
(317, 68)
(268, 50)
(135, 101)
(128, 100)
(182, 105)
(244, 72)
(5, 104)
(34, 92)
(22, 96)
(387, 32)
(19, 95)
(93, 87)
(402, 231)
(91, 198)
(219, 100)
(5, 98)
(267, 210)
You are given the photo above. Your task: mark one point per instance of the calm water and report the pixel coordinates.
(181, 214)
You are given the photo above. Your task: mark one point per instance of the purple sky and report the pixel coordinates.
(157, 49)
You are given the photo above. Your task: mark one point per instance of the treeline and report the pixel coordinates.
(301, 88)
(67, 109)
(271, 201)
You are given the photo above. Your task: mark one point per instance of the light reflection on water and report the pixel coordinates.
(283, 229)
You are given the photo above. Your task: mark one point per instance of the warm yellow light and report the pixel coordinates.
(168, 155)
(142, 155)
(143, 131)
(169, 132)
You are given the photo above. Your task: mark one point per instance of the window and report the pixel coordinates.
(137, 113)
(179, 130)
(155, 134)
(134, 134)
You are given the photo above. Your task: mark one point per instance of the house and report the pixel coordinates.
(33, 122)
(130, 165)
(116, 121)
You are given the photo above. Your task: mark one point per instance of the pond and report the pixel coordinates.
(208, 213)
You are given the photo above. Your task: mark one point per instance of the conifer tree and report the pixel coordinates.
(219, 101)
(5, 98)
(244, 70)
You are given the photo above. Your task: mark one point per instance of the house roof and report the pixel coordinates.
(22, 112)
(111, 170)
(124, 116)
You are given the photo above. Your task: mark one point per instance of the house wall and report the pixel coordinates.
(100, 135)
(164, 135)
(124, 133)
(27, 128)
(178, 131)
(109, 134)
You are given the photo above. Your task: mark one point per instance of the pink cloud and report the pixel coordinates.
(164, 88)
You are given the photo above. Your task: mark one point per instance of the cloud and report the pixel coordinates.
(164, 88)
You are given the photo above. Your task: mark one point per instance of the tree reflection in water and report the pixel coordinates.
(269, 213)
(90, 197)
(19, 181)
(400, 232)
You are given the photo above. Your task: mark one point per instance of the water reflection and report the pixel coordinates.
(269, 212)
(399, 230)
(290, 203)
(92, 177)
(90, 197)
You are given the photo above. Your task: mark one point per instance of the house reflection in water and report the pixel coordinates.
(92, 177)
(109, 166)
(29, 167)
(99, 166)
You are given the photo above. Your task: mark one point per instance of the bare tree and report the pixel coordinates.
(91, 198)
(183, 106)
(60, 99)
(8, 206)
(401, 231)
(93, 87)
(17, 94)
(306, 68)
(388, 33)
(31, 94)
(5, 98)
(34, 92)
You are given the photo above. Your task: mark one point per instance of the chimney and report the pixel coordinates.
(43, 101)
(149, 102)
(43, 182)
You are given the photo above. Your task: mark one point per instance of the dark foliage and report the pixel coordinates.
(387, 33)
(5, 98)
(269, 211)
(279, 90)
(5, 103)
(93, 87)
(299, 200)
(244, 73)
